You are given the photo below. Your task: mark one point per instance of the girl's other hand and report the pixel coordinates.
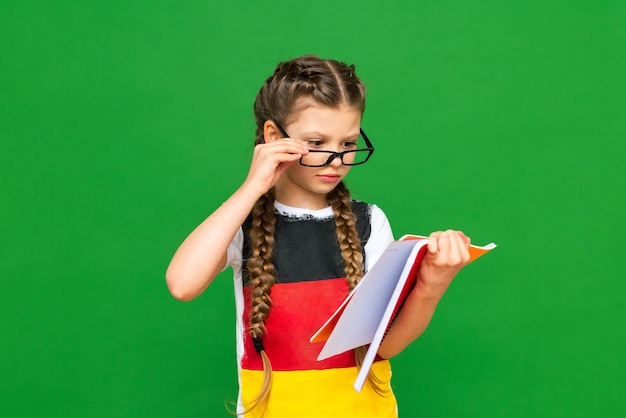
(448, 253)
(270, 160)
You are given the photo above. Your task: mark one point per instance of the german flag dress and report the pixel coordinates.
(310, 285)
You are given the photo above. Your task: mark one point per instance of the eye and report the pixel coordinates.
(314, 143)
(349, 144)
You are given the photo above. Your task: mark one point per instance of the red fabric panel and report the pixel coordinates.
(299, 309)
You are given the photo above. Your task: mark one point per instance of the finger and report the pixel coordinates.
(284, 161)
(465, 243)
(280, 152)
(280, 169)
(283, 165)
(459, 253)
(288, 158)
(281, 142)
(433, 244)
(299, 148)
(290, 146)
(457, 248)
(445, 243)
(465, 238)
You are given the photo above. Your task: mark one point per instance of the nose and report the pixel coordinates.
(336, 162)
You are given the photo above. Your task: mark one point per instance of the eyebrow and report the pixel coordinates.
(314, 133)
(320, 135)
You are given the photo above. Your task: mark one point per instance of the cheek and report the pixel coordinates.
(295, 171)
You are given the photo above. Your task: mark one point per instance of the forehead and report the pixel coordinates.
(342, 120)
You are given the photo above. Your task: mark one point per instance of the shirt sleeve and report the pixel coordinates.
(380, 237)
(233, 252)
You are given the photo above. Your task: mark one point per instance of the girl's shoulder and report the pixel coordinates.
(362, 210)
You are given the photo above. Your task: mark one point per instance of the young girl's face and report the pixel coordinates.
(321, 128)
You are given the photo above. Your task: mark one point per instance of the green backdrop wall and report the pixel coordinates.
(124, 123)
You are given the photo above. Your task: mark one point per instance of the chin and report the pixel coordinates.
(327, 188)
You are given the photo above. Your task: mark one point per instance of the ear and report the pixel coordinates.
(271, 131)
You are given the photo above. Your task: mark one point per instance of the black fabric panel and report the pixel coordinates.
(306, 248)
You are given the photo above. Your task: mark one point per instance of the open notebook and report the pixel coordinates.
(364, 316)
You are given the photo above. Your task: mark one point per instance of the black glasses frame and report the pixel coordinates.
(334, 154)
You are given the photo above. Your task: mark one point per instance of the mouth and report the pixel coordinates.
(329, 178)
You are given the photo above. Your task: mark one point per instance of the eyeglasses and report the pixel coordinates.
(320, 158)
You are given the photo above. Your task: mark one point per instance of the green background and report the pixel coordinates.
(123, 124)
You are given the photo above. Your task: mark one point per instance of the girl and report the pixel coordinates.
(298, 244)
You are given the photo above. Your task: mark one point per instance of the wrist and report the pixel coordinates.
(251, 190)
(428, 293)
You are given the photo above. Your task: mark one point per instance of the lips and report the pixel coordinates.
(329, 178)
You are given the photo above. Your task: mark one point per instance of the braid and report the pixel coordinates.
(347, 236)
(262, 277)
(261, 262)
(352, 254)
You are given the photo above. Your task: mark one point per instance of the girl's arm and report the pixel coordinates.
(202, 255)
(448, 253)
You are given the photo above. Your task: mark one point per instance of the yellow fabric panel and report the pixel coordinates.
(321, 393)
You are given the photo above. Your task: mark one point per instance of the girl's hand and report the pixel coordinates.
(270, 160)
(448, 253)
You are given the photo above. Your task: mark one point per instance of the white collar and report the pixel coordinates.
(291, 211)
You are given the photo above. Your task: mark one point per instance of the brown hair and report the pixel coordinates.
(330, 83)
